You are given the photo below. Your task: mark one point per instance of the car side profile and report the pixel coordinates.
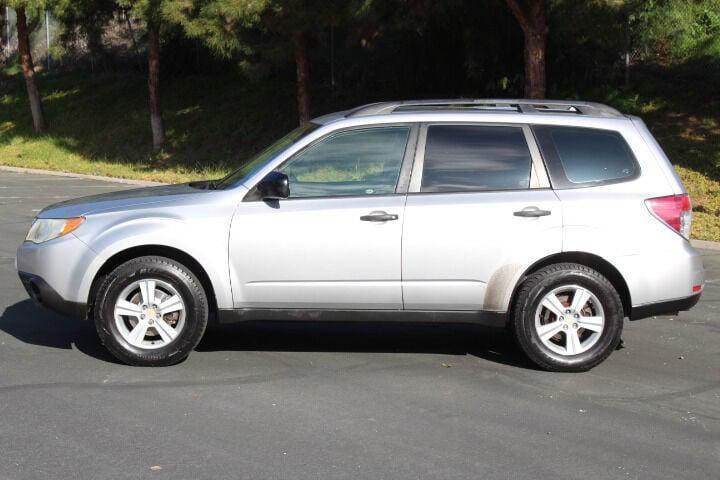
(556, 219)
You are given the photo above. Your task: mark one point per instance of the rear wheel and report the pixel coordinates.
(151, 311)
(567, 317)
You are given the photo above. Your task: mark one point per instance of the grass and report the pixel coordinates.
(332, 174)
(99, 125)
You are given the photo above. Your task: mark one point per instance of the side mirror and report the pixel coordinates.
(274, 186)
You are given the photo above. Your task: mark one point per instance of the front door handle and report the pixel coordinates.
(378, 217)
(532, 212)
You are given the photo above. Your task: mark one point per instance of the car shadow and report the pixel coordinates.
(35, 325)
(493, 344)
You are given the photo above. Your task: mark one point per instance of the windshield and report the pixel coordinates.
(260, 159)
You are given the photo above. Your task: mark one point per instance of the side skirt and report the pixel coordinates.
(486, 318)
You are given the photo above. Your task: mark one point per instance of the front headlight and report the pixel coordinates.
(44, 229)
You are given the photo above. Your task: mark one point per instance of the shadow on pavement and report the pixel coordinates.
(493, 344)
(35, 325)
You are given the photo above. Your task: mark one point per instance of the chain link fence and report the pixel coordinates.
(43, 40)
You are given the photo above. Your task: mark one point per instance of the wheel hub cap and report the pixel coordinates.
(149, 313)
(569, 320)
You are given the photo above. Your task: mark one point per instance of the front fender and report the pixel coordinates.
(203, 236)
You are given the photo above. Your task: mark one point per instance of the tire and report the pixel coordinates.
(567, 346)
(148, 287)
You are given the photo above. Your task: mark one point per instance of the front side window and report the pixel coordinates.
(584, 156)
(354, 162)
(264, 156)
(465, 158)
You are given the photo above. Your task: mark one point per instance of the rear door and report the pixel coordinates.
(479, 211)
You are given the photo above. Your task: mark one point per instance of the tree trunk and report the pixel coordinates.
(533, 22)
(156, 122)
(302, 65)
(4, 42)
(131, 32)
(28, 69)
(535, 43)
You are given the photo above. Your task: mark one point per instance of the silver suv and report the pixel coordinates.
(557, 219)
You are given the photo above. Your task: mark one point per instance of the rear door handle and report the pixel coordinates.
(532, 212)
(378, 217)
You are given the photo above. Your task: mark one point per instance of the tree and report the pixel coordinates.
(225, 26)
(302, 69)
(675, 31)
(150, 11)
(4, 41)
(28, 17)
(533, 22)
(88, 19)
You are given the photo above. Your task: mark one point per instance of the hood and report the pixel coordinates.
(119, 200)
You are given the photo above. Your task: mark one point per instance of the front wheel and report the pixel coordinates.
(567, 317)
(151, 311)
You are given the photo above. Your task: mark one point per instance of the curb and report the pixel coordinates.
(37, 171)
(705, 244)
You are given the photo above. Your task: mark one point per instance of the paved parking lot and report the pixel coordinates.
(345, 400)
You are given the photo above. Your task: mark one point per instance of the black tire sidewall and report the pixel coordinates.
(187, 286)
(544, 283)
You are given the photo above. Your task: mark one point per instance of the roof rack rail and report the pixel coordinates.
(527, 106)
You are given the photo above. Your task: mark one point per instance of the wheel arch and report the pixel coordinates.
(602, 266)
(172, 253)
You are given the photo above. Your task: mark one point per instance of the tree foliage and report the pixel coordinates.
(86, 19)
(221, 24)
(342, 52)
(34, 9)
(270, 29)
(676, 30)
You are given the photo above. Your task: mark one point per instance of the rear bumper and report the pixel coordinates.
(660, 277)
(671, 307)
(43, 294)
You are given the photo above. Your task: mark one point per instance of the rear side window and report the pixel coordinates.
(466, 158)
(585, 156)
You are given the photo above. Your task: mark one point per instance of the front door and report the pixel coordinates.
(335, 243)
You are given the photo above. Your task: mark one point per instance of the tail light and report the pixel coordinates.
(675, 211)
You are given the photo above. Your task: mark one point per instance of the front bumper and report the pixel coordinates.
(43, 294)
(56, 273)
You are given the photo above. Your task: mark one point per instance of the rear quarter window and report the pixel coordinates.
(579, 157)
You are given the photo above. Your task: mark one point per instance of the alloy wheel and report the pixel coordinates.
(149, 313)
(569, 320)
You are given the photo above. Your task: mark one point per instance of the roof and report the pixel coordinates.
(485, 105)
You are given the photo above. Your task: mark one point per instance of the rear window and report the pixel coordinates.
(582, 156)
(468, 158)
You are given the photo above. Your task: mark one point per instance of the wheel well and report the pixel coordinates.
(589, 260)
(159, 250)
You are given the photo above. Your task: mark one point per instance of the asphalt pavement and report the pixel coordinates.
(355, 400)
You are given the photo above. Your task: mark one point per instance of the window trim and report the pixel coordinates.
(538, 174)
(556, 171)
(405, 163)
